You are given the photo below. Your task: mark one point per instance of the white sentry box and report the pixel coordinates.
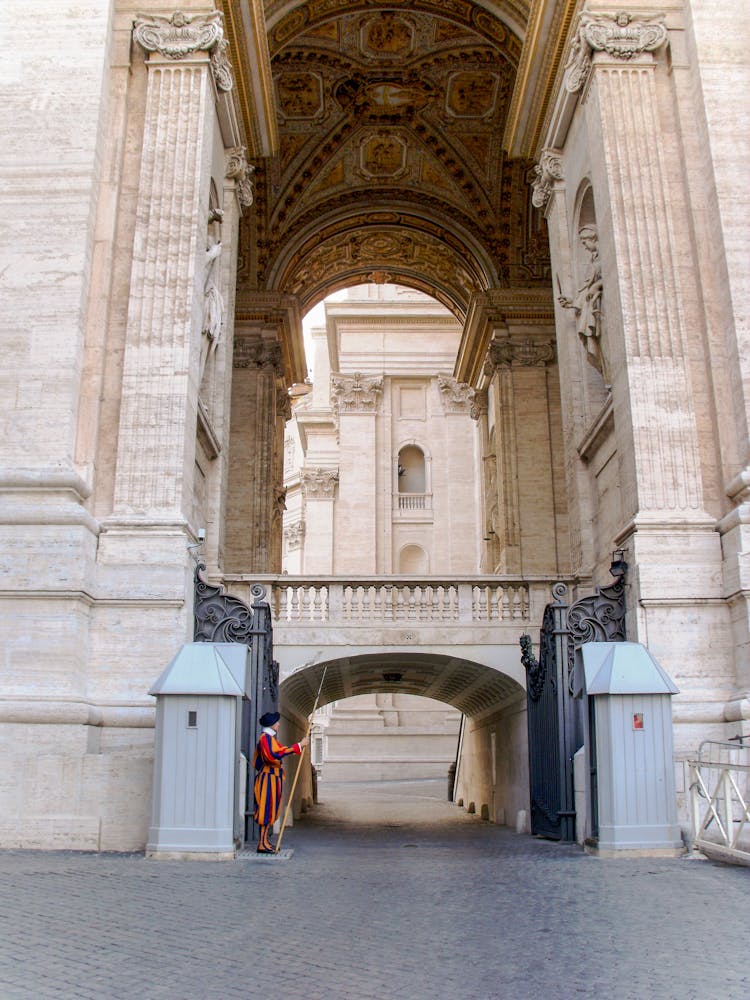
(197, 752)
(631, 774)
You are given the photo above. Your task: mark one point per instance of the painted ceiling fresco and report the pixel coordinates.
(390, 166)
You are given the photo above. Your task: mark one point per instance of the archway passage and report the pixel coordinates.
(492, 753)
(389, 163)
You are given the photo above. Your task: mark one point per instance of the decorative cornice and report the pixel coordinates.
(263, 355)
(319, 484)
(178, 36)
(456, 396)
(240, 171)
(616, 34)
(356, 393)
(546, 173)
(525, 353)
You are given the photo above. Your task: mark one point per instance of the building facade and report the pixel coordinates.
(182, 185)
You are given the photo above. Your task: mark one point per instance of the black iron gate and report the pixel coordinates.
(554, 715)
(220, 617)
(550, 716)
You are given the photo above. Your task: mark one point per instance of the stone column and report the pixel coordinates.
(318, 491)
(528, 456)
(582, 394)
(156, 443)
(260, 409)
(357, 400)
(617, 66)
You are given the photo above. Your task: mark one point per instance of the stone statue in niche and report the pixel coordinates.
(213, 302)
(587, 302)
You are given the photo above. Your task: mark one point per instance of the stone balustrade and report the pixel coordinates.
(399, 600)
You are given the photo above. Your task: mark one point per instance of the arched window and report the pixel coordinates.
(412, 561)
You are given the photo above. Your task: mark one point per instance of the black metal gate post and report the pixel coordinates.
(220, 617)
(551, 724)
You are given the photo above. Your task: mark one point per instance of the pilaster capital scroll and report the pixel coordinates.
(240, 171)
(456, 396)
(356, 393)
(319, 484)
(521, 353)
(548, 170)
(180, 35)
(619, 35)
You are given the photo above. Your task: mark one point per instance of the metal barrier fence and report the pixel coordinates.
(719, 780)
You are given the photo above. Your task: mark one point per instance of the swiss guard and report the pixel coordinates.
(269, 778)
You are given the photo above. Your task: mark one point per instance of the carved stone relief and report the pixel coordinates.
(356, 393)
(586, 303)
(240, 171)
(180, 35)
(619, 35)
(319, 484)
(521, 352)
(261, 354)
(546, 173)
(456, 397)
(387, 35)
(294, 535)
(471, 94)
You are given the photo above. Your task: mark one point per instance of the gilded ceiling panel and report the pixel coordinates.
(402, 110)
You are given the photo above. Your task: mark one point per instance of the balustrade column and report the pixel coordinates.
(156, 441)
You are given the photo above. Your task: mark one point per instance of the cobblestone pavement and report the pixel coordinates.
(391, 893)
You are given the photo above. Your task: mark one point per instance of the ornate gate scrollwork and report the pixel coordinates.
(219, 617)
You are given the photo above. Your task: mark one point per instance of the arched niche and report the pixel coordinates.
(413, 561)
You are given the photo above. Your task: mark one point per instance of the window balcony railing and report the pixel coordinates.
(413, 501)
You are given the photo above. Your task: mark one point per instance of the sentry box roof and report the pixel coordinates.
(205, 668)
(623, 668)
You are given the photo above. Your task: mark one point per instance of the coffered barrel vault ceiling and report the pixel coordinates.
(389, 164)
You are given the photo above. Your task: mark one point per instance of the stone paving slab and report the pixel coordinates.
(392, 894)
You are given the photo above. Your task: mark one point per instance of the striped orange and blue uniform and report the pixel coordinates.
(270, 777)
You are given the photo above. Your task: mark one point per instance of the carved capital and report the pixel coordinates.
(319, 484)
(455, 396)
(179, 35)
(527, 353)
(283, 404)
(294, 534)
(479, 404)
(619, 35)
(356, 393)
(221, 67)
(241, 173)
(546, 173)
(263, 355)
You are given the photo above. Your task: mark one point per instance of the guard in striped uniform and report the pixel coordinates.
(269, 777)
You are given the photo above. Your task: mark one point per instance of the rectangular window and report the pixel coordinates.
(192, 719)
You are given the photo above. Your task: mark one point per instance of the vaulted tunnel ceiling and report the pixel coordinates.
(470, 687)
(390, 165)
